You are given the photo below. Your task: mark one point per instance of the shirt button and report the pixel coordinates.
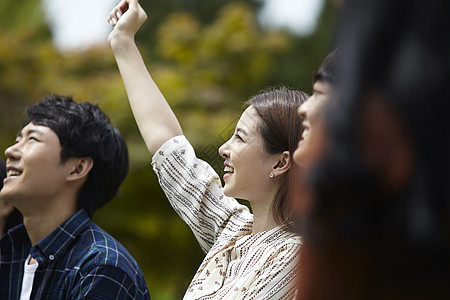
(51, 257)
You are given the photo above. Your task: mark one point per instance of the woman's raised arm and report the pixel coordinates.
(154, 117)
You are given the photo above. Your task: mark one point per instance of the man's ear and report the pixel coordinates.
(283, 164)
(80, 168)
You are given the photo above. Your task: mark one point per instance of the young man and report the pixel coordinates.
(67, 161)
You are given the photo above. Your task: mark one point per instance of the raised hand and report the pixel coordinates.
(153, 115)
(126, 17)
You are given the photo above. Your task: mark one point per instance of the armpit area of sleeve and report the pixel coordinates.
(168, 147)
(108, 282)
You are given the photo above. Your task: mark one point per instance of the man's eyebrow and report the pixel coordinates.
(30, 131)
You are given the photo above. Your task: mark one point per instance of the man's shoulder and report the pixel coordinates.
(99, 248)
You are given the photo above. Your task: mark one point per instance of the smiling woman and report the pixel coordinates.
(248, 255)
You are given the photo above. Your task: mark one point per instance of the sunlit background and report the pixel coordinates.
(77, 25)
(207, 56)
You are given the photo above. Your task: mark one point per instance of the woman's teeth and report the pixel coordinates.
(305, 134)
(228, 169)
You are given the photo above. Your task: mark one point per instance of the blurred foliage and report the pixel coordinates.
(207, 56)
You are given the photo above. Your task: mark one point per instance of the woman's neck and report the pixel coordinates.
(262, 219)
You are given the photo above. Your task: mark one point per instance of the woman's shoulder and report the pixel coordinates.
(283, 240)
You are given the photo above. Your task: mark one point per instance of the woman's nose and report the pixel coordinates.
(224, 150)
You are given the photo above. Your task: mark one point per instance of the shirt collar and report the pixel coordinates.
(56, 243)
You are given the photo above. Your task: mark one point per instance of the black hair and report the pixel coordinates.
(85, 131)
(328, 70)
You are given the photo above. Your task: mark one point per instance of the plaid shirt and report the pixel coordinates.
(78, 260)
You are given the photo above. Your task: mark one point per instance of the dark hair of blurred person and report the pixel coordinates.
(379, 228)
(313, 142)
(9, 216)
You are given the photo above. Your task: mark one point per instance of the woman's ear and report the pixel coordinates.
(283, 164)
(80, 168)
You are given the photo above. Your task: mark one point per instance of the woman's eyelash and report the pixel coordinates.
(233, 133)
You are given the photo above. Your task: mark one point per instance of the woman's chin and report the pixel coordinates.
(228, 191)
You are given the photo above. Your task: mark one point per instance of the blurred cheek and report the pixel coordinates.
(303, 201)
(314, 147)
(385, 145)
(313, 152)
(318, 143)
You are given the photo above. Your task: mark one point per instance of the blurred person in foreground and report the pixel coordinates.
(9, 216)
(67, 161)
(313, 143)
(379, 227)
(249, 255)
